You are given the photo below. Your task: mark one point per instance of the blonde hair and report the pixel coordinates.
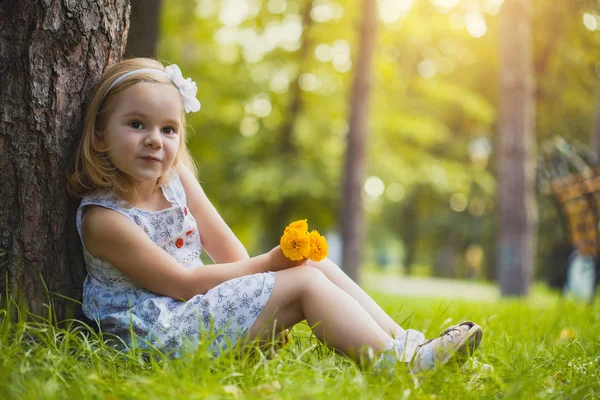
(94, 169)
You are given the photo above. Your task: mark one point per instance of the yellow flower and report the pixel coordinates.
(301, 225)
(295, 244)
(565, 335)
(318, 246)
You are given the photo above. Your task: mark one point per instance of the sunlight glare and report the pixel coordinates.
(309, 82)
(229, 53)
(445, 6)
(458, 202)
(277, 6)
(322, 12)
(206, 8)
(392, 10)
(395, 192)
(280, 82)
(249, 126)
(260, 105)
(591, 21)
(291, 29)
(340, 56)
(226, 35)
(323, 52)
(427, 69)
(374, 186)
(273, 33)
(492, 7)
(234, 12)
(253, 48)
(476, 25)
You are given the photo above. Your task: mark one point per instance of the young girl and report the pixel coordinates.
(144, 221)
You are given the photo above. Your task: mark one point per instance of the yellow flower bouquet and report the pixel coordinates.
(297, 243)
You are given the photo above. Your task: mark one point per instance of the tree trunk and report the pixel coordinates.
(354, 169)
(409, 228)
(145, 28)
(52, 55)
(445, 258)
(516, 201)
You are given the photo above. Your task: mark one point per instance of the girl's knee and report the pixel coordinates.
(313, 279)
(327, 267)
(311, 273)
(294, 283)
(301, 277)
(306, 277)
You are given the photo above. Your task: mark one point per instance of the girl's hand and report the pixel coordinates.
(278, 261)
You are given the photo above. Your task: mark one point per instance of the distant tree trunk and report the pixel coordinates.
(52, 55)
(445, 258)
(145, 28)
(409, 228)
(354, 169)
(516, 201)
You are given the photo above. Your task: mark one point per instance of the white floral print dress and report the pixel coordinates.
(129, 311)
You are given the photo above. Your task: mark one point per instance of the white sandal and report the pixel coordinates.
(458, 342)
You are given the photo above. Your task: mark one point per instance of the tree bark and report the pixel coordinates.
(516, 169)
(145, 28)
(51, 57)
(354, 168)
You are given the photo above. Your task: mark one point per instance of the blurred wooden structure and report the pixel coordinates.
(571, 174)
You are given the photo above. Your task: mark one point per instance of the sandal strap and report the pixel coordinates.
(448, 330)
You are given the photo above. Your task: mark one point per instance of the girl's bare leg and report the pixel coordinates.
(335, 317)
(341, 280)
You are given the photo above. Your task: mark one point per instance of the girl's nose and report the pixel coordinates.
(153, 138)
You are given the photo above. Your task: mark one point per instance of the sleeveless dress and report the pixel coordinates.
(142, 318)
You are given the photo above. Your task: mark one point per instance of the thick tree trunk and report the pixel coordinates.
(516, 201)
(145, 28)
(354, 169)
(52, 55)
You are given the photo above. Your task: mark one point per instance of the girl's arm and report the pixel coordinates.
(115, 238)
(219, 242)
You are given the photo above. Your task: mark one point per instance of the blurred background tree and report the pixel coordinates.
(275, 77)
(353, 177)
(516, 141)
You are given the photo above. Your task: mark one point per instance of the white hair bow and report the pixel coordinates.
(187, 88)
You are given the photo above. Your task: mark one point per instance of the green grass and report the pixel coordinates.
(546, 349)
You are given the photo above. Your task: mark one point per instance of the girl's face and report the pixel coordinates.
(144, 130)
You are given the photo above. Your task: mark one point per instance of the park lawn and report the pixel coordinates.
(544, 347)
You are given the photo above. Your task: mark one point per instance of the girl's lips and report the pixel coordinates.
(150, 159)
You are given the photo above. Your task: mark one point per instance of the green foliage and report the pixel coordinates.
(274, 81)
(544, 347)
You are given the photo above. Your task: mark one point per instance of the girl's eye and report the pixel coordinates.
(136, 125)
(169, 130)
